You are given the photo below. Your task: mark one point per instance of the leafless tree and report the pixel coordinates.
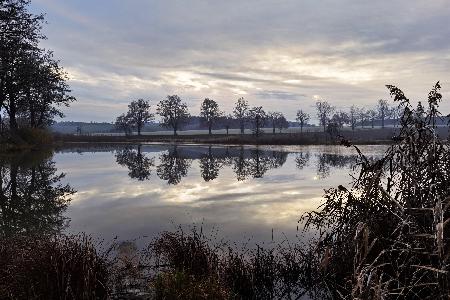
(302, 118)
(324, 112)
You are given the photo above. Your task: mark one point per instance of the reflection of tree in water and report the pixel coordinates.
(172, 167)
(210, 166)
(138, 164)
(32, 199)
(327, 161)
(302, 160)
(257, 163)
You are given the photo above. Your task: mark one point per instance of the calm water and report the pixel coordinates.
(135, 192)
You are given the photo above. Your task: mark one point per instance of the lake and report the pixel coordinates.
(248, 194)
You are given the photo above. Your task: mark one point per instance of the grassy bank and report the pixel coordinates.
(372, 136)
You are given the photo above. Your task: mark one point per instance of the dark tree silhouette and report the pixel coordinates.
(226, 121)
(353, 116)
(324, 112)
(32, 84)
(138, 114)
(32, 197)
(362, 115)
(257, 117)
(302, 118)
(278, 121)
(383, 111)
(172, 167)
(138, 164)
(123, 124)
(173, 112)
(372, 116)
(241, 113)
(210, 113)
(340, 118)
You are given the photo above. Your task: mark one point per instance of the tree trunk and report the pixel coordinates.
(210, 129)
(174, 131)
(139, 130)
(273, 131)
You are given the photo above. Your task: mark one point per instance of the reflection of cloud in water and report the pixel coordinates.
(111, 203)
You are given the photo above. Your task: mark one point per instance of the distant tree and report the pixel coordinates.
(362, 115)
(302, 118)
(210, 113)
(353, 116)
(227, 120)
(340, 118)
(139, 114)
(240, 112)
(258, 118)
(395, 113)
(324, 112)
(373, 114)
(173, 112)
(122, 123)
(282, 123)
(277, 120)
(383, 111)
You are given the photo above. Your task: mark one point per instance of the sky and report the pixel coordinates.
(279, 54)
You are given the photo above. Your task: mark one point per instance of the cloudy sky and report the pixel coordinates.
(280, 54)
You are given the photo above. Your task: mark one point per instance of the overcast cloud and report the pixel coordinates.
(281, 54)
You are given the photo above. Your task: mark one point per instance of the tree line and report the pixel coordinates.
(174, 114)
(33, 86)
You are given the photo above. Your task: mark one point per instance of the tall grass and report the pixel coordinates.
(58, 267)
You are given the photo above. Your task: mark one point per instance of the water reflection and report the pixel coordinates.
(175, 162)
(138, 164)
(32, 198)
(327, 161)
(173, 166)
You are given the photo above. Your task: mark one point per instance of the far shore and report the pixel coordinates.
(361, 137)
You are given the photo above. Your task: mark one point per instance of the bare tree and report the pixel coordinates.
(274, 118)
(258, 118)
(383, 111)
(226, 121)
(353, 116)
(173, 112)
(210, 112)
(302, 118)
(324, 112)
(282, 123)
(340, 118)
(139, 114)
(240, 112)
(362, 115)
(373, 114)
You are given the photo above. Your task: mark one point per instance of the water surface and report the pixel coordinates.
(135, 192)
